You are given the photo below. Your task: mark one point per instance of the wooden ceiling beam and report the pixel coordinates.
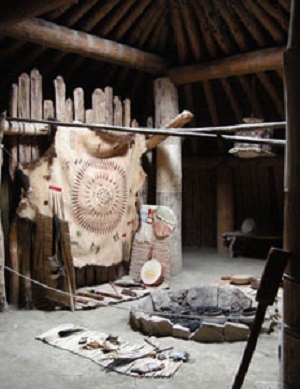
(249, 23)
(215, 24)
(248, 63)
(276, 12)
(178, 31)
(14, 11)
(108, 25)
(267, 22)
(191, 28)
(61, 38)
(138, 10)
(233, 25)
(205, 31)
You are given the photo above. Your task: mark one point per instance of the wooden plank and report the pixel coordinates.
(98, 104)
(127, 112)
(13, 111)
(69, 110)
(60, 99)
(118, 112)
(48, 109)
(61, 38)
(36, 107)
(248, 63)
(109, 117)
(79, 110)
(90, 116)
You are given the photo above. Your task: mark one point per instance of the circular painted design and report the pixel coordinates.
(99, 195)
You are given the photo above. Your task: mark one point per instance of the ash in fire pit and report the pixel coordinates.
(204, 314)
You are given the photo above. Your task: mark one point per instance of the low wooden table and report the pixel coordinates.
(252, 245)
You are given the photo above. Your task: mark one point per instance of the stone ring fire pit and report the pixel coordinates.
(203, 314)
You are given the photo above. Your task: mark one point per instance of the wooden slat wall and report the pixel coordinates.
(27, 101)
(258, 193)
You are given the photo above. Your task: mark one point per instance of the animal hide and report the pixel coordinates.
(91, 180)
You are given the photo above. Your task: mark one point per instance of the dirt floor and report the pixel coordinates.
(28, 363)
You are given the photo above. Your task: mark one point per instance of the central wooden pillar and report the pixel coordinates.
(291, 329)
(169, 166)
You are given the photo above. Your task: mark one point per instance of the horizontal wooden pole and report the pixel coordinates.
(14, 11)
(248, 63)
(10, 125)
(48, 34)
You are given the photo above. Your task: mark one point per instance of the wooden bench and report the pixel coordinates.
(252, 245)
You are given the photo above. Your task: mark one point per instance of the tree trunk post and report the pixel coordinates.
(169, 166)
(291, 317)
(2, 251)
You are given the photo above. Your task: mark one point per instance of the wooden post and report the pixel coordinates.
(291, 328)
(169, 167)
(2, 252)
(225, 205)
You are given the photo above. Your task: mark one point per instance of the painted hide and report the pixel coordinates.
(91, 180)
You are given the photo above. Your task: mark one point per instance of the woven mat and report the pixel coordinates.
(127, 358)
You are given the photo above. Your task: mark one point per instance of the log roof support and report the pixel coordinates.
(14, 11)
(61, 38)
(248, 63)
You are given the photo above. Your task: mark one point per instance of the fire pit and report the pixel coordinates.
(204, 314)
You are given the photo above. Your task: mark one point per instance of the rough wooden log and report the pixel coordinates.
(14, 11)
(215, 26)
(291, 319)
(267, 21)
(254, 62)
(51, 35)
(2, 251)
(178, 31)
(169, 166)
(191, 28)
(108, 25)
(129, 21)
(232, 23)
(205, 32)
(250, 23)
